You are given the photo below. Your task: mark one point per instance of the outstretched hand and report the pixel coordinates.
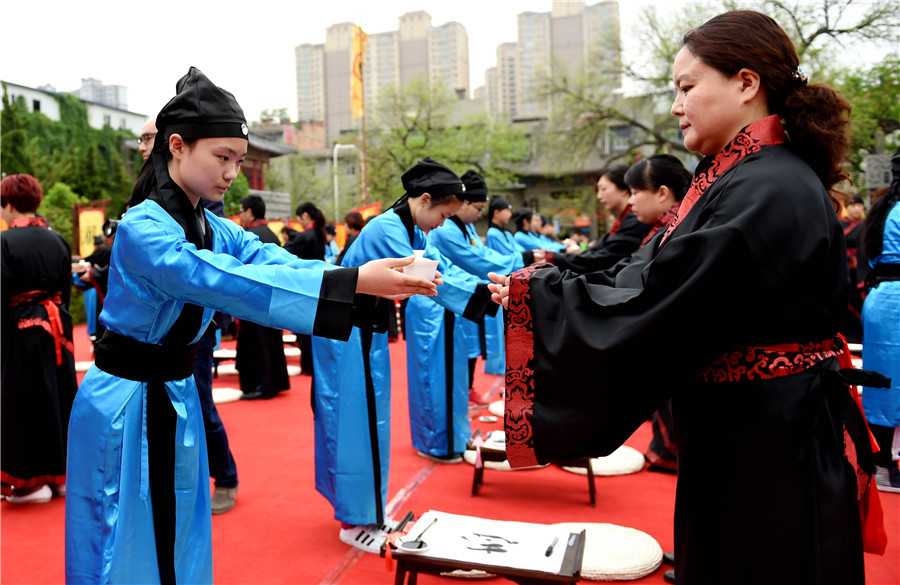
(500, 289)
(385, 278)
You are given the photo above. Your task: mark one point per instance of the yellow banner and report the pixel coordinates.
(356, 79)
(369, 210)
(90, 224)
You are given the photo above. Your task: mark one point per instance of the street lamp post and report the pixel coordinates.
(334, 170)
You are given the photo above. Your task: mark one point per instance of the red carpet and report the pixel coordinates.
(283, 531)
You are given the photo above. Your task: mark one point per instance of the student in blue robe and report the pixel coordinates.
(138, 494)
(352, 384)
(458, 241)
(546, 233)
(525, 236)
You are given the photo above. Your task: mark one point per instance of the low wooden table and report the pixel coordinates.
(409, 565)
(489, 453)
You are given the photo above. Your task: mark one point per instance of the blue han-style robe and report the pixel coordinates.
(503, 241)
(461, 244)
(552, 245)
(529, 240)
(353, 409)
(156, 275)
(881, 329)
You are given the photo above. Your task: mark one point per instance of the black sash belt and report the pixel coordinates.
(143, 362)
(449, 320)
(373, 424)
(883, 272)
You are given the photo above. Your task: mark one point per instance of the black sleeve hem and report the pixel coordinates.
(337, 299)
(480, 304)
(528, 257)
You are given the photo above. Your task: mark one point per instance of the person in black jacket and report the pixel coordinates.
(308, 245)
(260, 360)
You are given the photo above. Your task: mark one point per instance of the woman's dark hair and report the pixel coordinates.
(873, 225)
(658, 170)
(315, 213)
(22, 191)
(354, 220)
(616, 175)
(816, 118)
(522, 216)
(330, 229)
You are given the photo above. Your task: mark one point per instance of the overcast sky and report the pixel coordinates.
(245, 47)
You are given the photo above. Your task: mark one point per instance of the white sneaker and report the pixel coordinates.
(368, 538)
(444, 459)
(39, 496)
(887, 479)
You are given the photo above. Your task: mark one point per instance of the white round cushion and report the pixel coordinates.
(223, 395)
(622, 461)
(616, 553)
(468, 574)
(497, 408)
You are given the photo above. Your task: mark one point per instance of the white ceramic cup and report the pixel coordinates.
(422, 268)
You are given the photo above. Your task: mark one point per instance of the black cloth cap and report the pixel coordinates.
(199, 109)
(476, 188)
(430, 176)
(497, 203)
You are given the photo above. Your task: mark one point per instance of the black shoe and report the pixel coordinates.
(252, 395)
(669, 558)
(669, 576)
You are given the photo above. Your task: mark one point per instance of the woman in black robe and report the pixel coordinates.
(739, 303)
(624, 237)
(38, 368)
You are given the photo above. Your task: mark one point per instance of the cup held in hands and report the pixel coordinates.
(422, 268)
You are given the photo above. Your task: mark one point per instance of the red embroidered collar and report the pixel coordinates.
(618, 223)
(667, 218)
(257, 223)
(763, 132)
(28, 221)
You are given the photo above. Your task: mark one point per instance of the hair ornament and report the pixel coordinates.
(800, 77)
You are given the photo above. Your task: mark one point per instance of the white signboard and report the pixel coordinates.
(878, 171)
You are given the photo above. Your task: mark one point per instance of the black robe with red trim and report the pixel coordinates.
(759, 260)
(38, 368)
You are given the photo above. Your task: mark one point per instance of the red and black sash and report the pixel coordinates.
(53, 323)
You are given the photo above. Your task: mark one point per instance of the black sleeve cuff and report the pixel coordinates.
(337, 301)
(528, 257)
(480, 304)
(371, 313)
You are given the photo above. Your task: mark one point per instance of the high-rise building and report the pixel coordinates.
(448, 58)
(93, 90)
(548, 42)
(310, 82)
(416, 49)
